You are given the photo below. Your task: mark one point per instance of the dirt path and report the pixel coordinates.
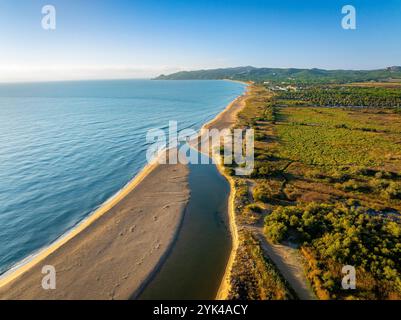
(289, 262)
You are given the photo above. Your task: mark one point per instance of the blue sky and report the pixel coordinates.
(129, 38)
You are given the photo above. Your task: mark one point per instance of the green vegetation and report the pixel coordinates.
(346, 96)
(329, 181)
(337, 137)
(254, 275)
(338, 235)
(292, 75)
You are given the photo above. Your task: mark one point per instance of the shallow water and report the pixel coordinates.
(196, 264)
(67, 147)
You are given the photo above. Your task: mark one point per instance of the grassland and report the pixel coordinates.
(328, 181)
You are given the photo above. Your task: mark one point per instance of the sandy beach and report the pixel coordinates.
(113, 253)
(227, 119)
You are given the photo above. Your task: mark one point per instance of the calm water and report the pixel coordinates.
(65, 148)
(196, 264)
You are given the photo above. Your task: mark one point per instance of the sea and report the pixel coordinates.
(67, 147)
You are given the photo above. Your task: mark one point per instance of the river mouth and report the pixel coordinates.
(196, 264)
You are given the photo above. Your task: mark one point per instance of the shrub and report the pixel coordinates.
(354, 185)
(260, 136)
(385, 175)
(276, 232)
(264, 193)
(315, 174)
(230, 171)
(367, 172)
(339, 176)
(261, 170)
(254, 207)
(342, 234)
(379, 184)
(393, 191)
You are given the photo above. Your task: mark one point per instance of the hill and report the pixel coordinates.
(291, 75)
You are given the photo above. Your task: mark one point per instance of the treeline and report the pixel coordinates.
(346, 96)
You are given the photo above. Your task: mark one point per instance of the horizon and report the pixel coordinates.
(154, 77)
(137, 40)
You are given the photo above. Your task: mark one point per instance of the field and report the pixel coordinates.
(361, 95)
(328, 181)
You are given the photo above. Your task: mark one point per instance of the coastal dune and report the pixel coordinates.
(115, 254)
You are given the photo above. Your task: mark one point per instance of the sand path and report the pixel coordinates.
(289, 262)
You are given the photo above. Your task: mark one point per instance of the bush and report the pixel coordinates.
(344, 234)
(277, 232)
(367, 172)
(354, 185)
(385, 175)
(260, 136)
(264, 193)
(379, 184)
(393, 191)
(261, 170)
(339, 176)
(230, 171)
(254, 207)
(315, 174)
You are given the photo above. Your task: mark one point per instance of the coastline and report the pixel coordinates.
(231, 112)
(226, 119)
(41, 254)
(114, 252)
(12, 283)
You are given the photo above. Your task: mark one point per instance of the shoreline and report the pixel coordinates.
(225, 285)
(25, 266)
(34, 258)
(230, 113)
(158, 226)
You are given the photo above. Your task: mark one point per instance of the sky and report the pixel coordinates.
(143, 38)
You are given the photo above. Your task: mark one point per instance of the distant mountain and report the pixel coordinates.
(394, 69)
(287, 75)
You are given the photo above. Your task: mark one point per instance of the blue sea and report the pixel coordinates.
(67, 147)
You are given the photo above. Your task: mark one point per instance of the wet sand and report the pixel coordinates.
(226, 120)
(113, 253)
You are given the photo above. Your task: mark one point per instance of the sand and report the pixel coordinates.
(113, 253)
(287, 260)
(226, 120)
(117, 249)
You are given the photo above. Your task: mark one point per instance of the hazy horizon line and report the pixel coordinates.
(144, 73)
